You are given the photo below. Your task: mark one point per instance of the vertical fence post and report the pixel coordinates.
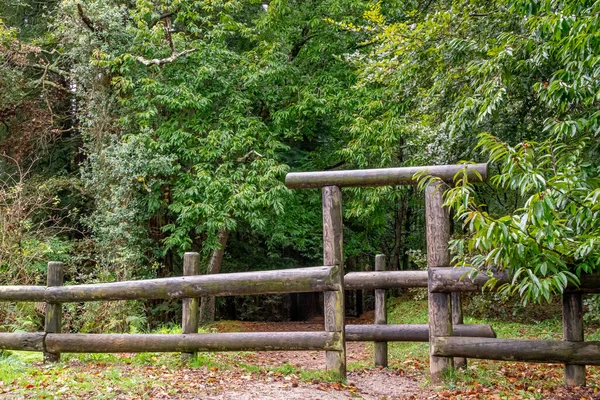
(333, 255)
(53, 310)
(572, 319)
(381, 348)
(437, 224)
(457, 319)
(189, 308)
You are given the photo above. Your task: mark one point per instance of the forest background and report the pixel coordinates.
(132, 131)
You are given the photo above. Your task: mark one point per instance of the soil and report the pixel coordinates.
(368, 384)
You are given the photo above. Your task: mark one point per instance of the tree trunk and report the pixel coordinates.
(207, 304)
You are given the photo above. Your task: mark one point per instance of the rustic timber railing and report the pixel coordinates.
(381, 333)
(572, 351)
(450, 341)
(445, 284)
(437, 228)
(314, 279)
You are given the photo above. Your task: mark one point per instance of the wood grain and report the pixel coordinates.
(539, 351)
(572, 320)
(437, 225)
(381, 348)
(53, 309)
(333, 255)
(189, 306)
(141, 343)
(381, 176)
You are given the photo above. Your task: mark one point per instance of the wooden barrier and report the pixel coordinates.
(382, 176)
(385, 280)
(312, 279)
(381, 348)
(409, 332)
(137, 343)
(437, 224)
(53, 309)
(333, 243)
(572, 319)
(539, 351)
(23, 341)
(447, 336)
(189, 307)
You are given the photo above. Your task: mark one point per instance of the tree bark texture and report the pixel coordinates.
(572, 319)
(141, 343)
(381, 176)
(189, 307)
(311, 279)
(53, 309)
(333, 255)
(437, 223)
(381, 348)
(539, 351)
(409, 332)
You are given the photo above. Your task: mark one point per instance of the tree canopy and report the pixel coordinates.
(135, 130)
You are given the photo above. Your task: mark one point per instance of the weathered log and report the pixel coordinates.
(53, 309)
(312, 279)
(22, 341)
(23, 293)
(189, 306)
(446, 280)
(572, 320)
(137, 343)
(381, 348)
(385, 280)
(381, 176)
(333, 243)
(540, 351)
(410, 332)
(437, 225)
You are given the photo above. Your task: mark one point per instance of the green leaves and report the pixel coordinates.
(552, 237)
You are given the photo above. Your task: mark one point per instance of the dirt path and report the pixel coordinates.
(362, 384)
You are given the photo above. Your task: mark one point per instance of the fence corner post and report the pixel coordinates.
(437, 224)
(572, 319)
(333, 256)
(381, 348)
(189, 307)
(53, 310)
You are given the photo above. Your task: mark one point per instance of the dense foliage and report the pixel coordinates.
(135, 130)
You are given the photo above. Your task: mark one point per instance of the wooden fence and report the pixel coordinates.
(450, 341)
(446, 284)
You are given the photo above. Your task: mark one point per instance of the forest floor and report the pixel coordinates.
(291, 375)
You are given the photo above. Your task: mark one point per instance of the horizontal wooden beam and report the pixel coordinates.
(447, 280)
(540, 351)
(22, 341)
(381, 176)
(385, 280)
(588, 284)
(139, 343)
(313, 279)
(409, 333)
